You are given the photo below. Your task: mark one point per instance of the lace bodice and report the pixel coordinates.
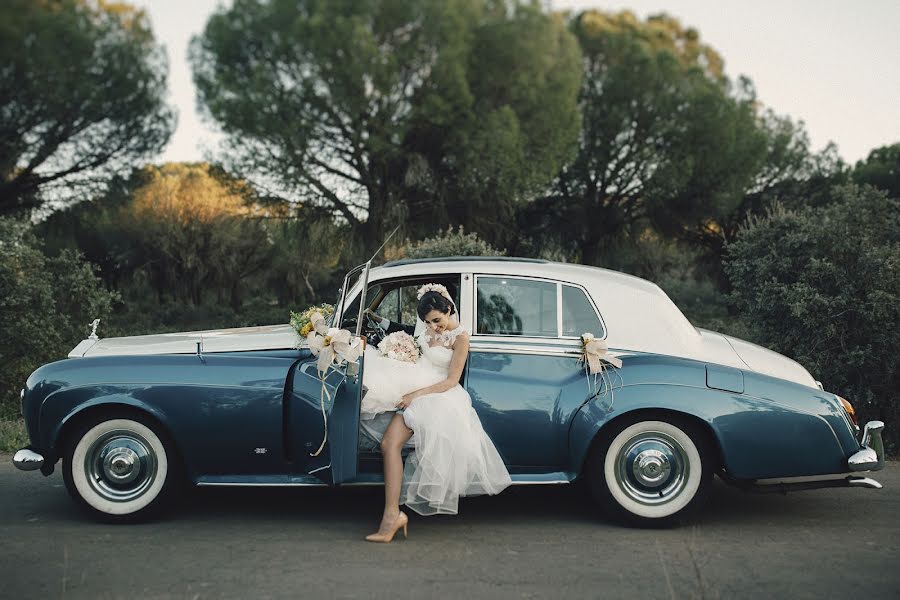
(437, 346)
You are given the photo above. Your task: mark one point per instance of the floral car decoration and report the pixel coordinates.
(127, 419)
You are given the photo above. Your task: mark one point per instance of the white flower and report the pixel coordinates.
(331, 345)
(433, 287)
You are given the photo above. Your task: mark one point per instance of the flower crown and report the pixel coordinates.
(434, 287)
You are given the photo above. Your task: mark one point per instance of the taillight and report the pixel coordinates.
(850, 411)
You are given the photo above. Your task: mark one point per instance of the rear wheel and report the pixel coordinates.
(651, 472)
(120, 468)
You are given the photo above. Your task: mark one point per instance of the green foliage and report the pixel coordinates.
(81, 95)
(881, 169)
(663, 136)
(46, 305)
(822, 285)
(424, 111)
(451, 243)
(13, 435)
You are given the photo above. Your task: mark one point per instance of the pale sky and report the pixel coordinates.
(832, 64)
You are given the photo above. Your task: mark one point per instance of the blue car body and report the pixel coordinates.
(256, 415)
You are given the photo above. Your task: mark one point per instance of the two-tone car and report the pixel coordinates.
(133, 417)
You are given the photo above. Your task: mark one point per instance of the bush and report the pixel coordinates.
(46, 305)
(451, 243)
(823, 285)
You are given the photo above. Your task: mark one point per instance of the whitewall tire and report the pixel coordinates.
(120, 468)
(651, 472)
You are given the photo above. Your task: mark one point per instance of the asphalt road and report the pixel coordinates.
(528, 542)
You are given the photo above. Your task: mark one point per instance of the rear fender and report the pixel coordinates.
(757, 438)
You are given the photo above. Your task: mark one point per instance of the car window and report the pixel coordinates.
(397, 300)
(509, 306)
(578, 316)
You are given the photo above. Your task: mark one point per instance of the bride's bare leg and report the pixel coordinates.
(395, 436)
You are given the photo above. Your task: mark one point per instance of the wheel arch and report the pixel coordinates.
(654, 414)
(59, 436)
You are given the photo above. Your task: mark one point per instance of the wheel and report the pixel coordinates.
(120, 468)
(651, 473)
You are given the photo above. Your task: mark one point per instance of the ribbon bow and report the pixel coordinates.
(596, 357)
(596, 351)
(333, 346)
(330, 344)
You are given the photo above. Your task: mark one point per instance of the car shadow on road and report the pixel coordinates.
(561, 503)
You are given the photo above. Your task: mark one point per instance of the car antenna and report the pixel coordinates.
(384, 243)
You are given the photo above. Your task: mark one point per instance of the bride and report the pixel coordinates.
(453, 455)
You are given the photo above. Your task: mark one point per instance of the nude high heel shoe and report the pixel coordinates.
(385, 538)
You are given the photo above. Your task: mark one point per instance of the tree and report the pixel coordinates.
(413, 110)
(664, 136)
(790, 174)
(81, 95)
(190, 232)
(822, 285)
(881, 169)
(449, 243)
(46, 305)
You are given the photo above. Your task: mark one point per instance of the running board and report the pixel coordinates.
(364, 479)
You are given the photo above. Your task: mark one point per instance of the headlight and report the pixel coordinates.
(848, 408)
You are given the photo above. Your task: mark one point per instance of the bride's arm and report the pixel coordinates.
(457, 364)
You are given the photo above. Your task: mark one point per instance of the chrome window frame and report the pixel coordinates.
(559, 316)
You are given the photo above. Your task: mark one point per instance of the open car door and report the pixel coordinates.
(323, 420)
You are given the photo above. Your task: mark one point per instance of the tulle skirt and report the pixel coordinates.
(453, 455)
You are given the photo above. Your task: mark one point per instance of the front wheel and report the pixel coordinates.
(651, 472)
(120, 468)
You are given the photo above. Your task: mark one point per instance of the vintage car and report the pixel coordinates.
(133, 417)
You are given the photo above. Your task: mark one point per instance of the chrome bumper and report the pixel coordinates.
(871, 457)
(28, 460)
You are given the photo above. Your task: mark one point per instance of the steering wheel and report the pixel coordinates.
(372, 331)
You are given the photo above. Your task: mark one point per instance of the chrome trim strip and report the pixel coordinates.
(521, 350)
(536, 350)
(558, 309)
(348, 484)
(328, 466)
(245, 484)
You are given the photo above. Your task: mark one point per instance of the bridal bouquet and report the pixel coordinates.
(400, 346)
(302, 321)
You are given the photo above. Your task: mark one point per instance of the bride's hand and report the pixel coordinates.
(406, 400)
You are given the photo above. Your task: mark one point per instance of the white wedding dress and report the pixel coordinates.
(453, 455)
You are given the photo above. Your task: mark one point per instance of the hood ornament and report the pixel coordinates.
(93, 335)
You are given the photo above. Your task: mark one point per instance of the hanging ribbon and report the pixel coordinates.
(597, 360)
(334, 347)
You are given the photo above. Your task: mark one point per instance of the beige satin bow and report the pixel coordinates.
(595, 353)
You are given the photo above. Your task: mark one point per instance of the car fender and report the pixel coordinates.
(757, 437)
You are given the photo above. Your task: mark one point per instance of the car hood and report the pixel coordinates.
(727, 350)
(268, 337)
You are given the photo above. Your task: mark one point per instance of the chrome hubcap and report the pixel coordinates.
(652, 468)
(120, 465)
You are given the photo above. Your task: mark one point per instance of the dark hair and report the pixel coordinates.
(433, 301)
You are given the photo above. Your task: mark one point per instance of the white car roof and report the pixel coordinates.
(638, 314)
